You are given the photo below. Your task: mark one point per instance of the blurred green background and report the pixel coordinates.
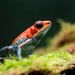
(18, 15)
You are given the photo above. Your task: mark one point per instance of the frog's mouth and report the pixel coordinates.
(42, 33)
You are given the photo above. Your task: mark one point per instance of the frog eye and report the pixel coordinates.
(48, 23)
(39, 24)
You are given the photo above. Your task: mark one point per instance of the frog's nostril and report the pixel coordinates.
(49, 22)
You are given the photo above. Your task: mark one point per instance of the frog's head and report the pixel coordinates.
(41, 28)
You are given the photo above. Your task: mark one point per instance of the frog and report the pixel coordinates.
(24, 44)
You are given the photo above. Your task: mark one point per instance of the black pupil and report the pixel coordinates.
(39, 24)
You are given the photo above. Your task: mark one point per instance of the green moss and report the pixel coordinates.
(41, 63)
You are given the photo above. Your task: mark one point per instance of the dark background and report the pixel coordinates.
(17, 15)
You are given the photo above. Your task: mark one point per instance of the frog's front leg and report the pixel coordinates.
(19, 52)
(28, 42)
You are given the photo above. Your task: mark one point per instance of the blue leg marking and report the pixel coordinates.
(19, 53)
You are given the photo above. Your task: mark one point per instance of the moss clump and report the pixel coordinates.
(53, 63)
(65, 38)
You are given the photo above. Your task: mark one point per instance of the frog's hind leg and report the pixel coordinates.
(4, 51)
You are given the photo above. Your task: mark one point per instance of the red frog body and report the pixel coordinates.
(25, 43)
